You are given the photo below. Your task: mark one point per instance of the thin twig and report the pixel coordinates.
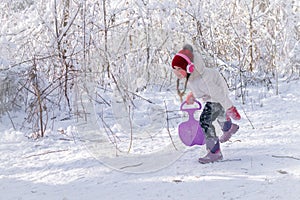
(108, 129)
(47, 152)
(136, 165)
(12, 122)
(247, 117)
(168, 129)
(131, 135)
(143, 98)
(291, 157)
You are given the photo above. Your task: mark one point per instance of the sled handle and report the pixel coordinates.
(190, 109)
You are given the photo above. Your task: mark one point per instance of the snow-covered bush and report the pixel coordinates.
(131, 43)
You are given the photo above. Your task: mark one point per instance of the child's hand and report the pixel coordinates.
(233, 113)
(190, 99)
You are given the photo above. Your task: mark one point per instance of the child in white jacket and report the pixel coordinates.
(208, 84)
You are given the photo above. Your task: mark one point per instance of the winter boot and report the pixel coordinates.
(228, 130)
(214, 152)
(211, 157)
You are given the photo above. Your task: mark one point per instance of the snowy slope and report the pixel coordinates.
(59, 167)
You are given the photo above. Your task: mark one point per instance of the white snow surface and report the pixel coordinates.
(59, 167)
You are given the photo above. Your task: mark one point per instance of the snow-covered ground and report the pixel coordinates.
(61, 167)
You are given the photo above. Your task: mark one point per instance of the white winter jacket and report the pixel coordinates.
(208, 83)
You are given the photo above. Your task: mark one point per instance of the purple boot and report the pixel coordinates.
(214, 153)
(228, 130)
(211, 157)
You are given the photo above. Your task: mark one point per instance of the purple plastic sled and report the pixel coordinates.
(190, 132)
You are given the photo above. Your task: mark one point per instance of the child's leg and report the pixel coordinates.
(210, 113)
(227, 127)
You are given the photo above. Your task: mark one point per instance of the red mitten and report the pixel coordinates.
(233, 113)
(190, 99)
